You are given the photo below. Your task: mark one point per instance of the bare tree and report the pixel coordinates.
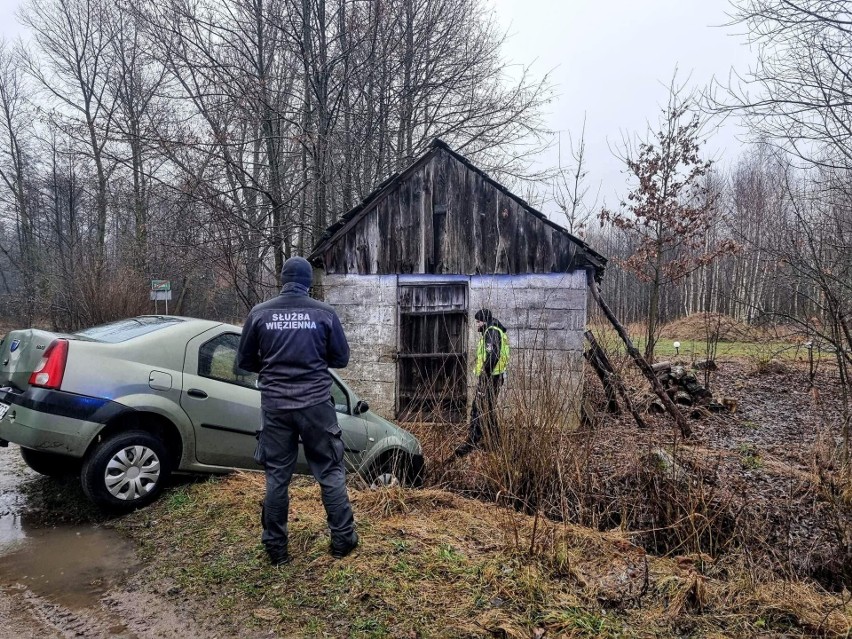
(73, 38)
(204, 140)
(798, 94)
(16, 172)
(134, 81)
(227, 77)
(799, 99)
(570, 190)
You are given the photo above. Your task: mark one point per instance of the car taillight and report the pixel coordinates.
(51, 368)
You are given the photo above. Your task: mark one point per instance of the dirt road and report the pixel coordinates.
(65, 573)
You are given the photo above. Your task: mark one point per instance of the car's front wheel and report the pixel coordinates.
(126, 471)
(50, 464)
(393, 469)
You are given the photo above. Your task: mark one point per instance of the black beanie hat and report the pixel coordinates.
(298, 270)
(483, 315)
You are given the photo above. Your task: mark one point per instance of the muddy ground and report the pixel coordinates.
(771, 466)
(64, 572)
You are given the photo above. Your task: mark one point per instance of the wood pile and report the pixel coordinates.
(674, 383)
(682, 386)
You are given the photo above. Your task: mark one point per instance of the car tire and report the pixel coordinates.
(126, 471)
(391, 471)
(50, 464)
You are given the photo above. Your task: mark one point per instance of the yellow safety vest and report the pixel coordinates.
(504, 352)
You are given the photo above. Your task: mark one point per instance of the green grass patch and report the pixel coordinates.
(578, 622)
(749, 457)
(695, 350)
(757, 349)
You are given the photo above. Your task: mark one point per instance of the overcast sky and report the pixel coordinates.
(611, 61)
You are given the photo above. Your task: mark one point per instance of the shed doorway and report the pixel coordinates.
(432, 363)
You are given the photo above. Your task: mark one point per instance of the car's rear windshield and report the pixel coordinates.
(124, 330)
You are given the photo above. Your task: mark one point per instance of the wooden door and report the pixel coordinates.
(432, 365)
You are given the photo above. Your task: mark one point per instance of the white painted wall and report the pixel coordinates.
(545, 316)
(366, 305)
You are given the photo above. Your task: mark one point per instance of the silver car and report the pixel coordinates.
(127, 403)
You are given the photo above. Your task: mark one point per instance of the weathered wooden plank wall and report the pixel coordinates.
(444, 217)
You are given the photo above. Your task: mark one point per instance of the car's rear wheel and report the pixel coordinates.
(126, 471)
(50, 464)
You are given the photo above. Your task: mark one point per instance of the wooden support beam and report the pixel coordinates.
(610, 380)
(634, 353)
(604, 375)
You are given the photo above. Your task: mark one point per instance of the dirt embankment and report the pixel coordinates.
(766, 480)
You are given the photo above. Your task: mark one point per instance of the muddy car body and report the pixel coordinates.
(127, 403)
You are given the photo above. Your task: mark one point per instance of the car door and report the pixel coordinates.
(222, 401)
(223, 404)
(353, 427)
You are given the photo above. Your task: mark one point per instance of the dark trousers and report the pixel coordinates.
(483, 414)
(277, 451)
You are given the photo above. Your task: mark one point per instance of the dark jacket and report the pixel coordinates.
(291, 341)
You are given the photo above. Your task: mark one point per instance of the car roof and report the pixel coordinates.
(185, 328)
(187, 325)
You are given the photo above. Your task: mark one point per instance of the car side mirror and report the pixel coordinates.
(361, 407)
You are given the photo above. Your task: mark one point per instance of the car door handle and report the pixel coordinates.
(198, 394)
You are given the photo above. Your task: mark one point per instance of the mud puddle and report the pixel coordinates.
(65, 573)
(72, 566)
(54, 570)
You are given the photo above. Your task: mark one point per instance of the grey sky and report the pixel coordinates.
(9, 28)
(611, 61)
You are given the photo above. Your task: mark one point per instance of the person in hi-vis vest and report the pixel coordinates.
(492, 357)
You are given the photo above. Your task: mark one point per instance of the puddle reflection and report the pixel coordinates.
(11, 500)
(71, 564)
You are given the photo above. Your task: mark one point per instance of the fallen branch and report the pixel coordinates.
(604, 369)
(634, 353)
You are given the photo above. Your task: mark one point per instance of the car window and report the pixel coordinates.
(340, 397)
(217, 359)
(121, 331)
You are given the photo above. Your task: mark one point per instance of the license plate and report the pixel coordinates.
(4, 408)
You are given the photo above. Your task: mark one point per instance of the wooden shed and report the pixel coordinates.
(408, 267)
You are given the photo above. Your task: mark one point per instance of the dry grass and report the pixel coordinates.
(695, 327)
(515, 562)
(435, 564)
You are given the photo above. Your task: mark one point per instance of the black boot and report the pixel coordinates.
(339, 551)
(278, 556)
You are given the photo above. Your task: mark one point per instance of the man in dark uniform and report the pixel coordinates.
(291, 341)
(492, 358)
